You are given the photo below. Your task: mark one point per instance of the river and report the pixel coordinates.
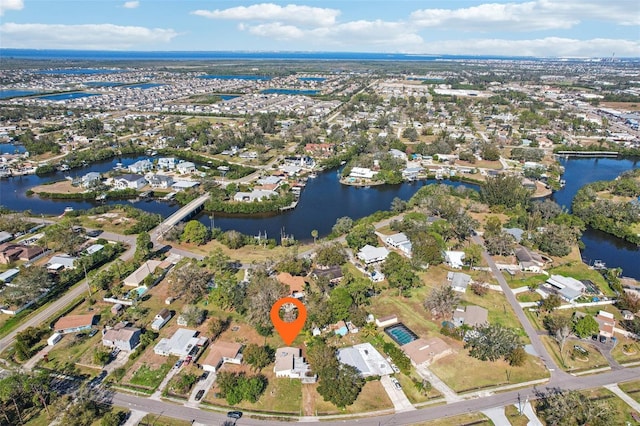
(324, 200)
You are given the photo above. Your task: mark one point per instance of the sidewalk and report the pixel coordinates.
(623, 396)
(446, 391)
(135, 418)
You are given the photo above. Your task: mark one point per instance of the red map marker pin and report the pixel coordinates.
(288, 330)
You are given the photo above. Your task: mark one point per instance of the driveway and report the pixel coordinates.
(397, 396)
(206, 385)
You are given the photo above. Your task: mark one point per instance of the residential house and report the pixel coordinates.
(183, 343)
(221, 353)
(459, 281)
(426, 351)
(332, 273)
(471, 315)
(529, 260)
(186, 167)
(161, 319)
(412, 173)
(182, 185)
(362, 173)
(567, 287)
(319, 149)
(129, 181)
(396, 153)
(7, 276)
(123, 338)
(140, 167)
(516, 233)
(136, 278)
(366, 359)
(159, 181)
(91, 179)
(386, 321)
(10, 253)
(269, 180)
(399, 241)
(296, 284)
(454, 259)
(74, 323)
(290, 363)
(369, 254)
(167, 163)
(93, 248)
(255, 195)
(62, 261)
(606, 323)
(627, 315)
(5, 236)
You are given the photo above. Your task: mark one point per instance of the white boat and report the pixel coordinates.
(312, 175)
(68, 209)
(101, 197)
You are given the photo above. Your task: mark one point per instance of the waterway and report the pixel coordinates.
(67, 96)
(598, 245)
(324, 200)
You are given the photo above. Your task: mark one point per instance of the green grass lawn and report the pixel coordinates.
(574, 362)
(373, 397)
(463, 373)
(528, 296)
(476, 419)
(500, 311)
(409, 388)
(631, 388)
(524, 280)
(282, 395)
(156, 420)
(514, 417)
(626, 350)
(149, 378)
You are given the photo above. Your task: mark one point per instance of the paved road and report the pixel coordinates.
(567, 382)
(515, 305)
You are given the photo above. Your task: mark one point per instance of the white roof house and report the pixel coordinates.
(141, 166)
(183, 342)
(167, 163)
(66, 260)
(369, 254)
(129, 181)
(568, 288)
(9, 275)
(159, 181)
(94, 248)
(454, 259)
(161, 319)
(186, 167)
(181, 185)
(362, 172)
(136, 277)
(255, 195)
(366, 359)
(401, 242)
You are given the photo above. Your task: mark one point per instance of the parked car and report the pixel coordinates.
(93, 332)
(234, 414)
(178, 363)
(396, 383)
(204, 375)
(94, 233)
(199, 394)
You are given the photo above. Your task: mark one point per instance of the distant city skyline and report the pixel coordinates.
(542, 28)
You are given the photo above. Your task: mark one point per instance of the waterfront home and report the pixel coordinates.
(167, 163)
(366, 359)
(91, 179)
(186, 167)
(454, 259)
(255, 195)
(362, 173)
(221, 353)
(183, 343)
(159, 181)
(401, 242)
(182, 185)
(74, 323)
(269, 180)
(471, 315)
(122, 337)
(161, 319)
(129, 181)
(412, 173)
(141, 166)
(369, 254)
(529, 260)
(458, 281)
(567, 287)
(290, 363)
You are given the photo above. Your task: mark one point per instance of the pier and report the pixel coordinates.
(587, 153)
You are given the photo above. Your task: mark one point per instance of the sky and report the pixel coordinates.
(543, 28)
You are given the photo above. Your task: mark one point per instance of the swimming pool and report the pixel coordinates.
(401, 334)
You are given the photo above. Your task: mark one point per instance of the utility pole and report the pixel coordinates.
(86, 279)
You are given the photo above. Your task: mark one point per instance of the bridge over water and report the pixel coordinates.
(186, 212)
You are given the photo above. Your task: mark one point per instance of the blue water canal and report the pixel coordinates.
(324, 200)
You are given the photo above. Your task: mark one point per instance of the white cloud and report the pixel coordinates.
(131, 4)
(276, 31)
(289, 14)
(10, 5)
(88, 36)
(528, 16)
(543, 47)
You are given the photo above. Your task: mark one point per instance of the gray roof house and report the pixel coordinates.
(129, 181)
(141, 166)
(160, 181)
(90, 179)
(459, 281)
(61, 261)
(290, 363)
(183, 343)
(471, 315)
(161, 319)
(123, 338)
(366, 359)
(186, 167)
(568, 287)
(369, 254)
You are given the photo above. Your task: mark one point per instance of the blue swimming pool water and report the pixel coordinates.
(401, 334)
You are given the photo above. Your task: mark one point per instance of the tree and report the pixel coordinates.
(195, 232)
(331, 255)
(361, 235)
(398, 205)
(321, 357)
(410, 133)
(101, 357)
(341, 386)
(314, 234)
(217, 326)
(189, 281)
(489, 152)
(504, 190)
(342, 226)
(398, 272)
(501, 244)
(60, 237)
(586, 326)
(473, 254)
(550, 303)
(479, 289)
(193, 315)
(227, 294)
(569, 408)
(27, 286)
(258, 357)
(554, 322)
(263, 291)
(441, 301)
(491, 342)
(143, 247)
(517, 357)
(339, 303)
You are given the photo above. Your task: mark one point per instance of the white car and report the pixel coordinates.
(396, 383)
